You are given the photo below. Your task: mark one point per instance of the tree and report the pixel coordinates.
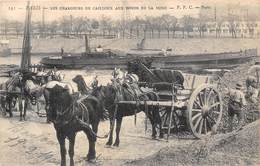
(187, 24)
(203, 19)
(150, 23)
(18, 27)
(232, 24)
(65, 25)
(53, 27)
(169, 23)
(219, 23)
(158, 22)
(105, 24)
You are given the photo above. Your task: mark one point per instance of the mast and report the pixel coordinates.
(26, 52)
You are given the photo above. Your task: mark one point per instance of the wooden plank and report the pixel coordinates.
(159, 103)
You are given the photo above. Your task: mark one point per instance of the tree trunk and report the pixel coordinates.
(168, 33)
(173, 33)
(131, 33)
(152, 33)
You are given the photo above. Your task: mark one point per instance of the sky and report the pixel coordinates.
(54, 9)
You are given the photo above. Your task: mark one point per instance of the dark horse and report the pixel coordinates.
(108, 95)
(71, 114)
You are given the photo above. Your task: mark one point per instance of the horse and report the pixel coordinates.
(14, 91)
(108, 96)
(71, 115)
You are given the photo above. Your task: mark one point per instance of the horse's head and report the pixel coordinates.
(60, 103)
(81, 84)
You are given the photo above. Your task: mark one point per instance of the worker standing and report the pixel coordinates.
(236, 104)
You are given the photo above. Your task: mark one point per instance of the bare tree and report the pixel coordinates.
(158, 22)
(169, 23)
(232, 24)
(251, 24)
(203, 19)
(150, 23)
(18, 28)
(105, 25)
(219, 24)
(52, 27)
(65, 25)
(187, 24)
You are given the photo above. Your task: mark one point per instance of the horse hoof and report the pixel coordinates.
(91, 158)
(116, 144)
(109, 143)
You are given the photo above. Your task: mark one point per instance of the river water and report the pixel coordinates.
(104, 76)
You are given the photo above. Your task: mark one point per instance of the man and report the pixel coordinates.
(94, 84)
(252, 89)
(235, 106)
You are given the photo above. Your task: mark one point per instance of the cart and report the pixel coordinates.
(187, 102)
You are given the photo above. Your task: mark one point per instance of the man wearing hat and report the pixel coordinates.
(235, 106)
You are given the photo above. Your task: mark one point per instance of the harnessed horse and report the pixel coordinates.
(11, 90)
(70, 115)
(109, 96)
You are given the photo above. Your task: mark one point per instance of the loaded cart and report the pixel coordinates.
(187, 102)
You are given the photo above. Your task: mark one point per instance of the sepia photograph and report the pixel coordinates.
(129, 82)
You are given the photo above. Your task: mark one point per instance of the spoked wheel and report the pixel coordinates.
(204, 110)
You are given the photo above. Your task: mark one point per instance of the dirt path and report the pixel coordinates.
(34, 143)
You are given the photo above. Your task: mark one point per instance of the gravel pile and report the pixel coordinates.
(235, 148)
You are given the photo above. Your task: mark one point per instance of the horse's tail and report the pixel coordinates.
(85, 122)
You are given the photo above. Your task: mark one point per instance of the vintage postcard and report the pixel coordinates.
(129, 82)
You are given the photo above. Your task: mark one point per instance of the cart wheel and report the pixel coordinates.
(204, 110)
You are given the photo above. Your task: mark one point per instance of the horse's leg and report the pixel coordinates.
(151, 118)
(10, 107)
(61, 139)
(118, 127)
(3, 106)
(71, 148)
(25, 108)
(112, 124)
(92, 143)
(20, 108)
(46, 98)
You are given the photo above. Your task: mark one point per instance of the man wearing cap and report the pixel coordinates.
(235, 106)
